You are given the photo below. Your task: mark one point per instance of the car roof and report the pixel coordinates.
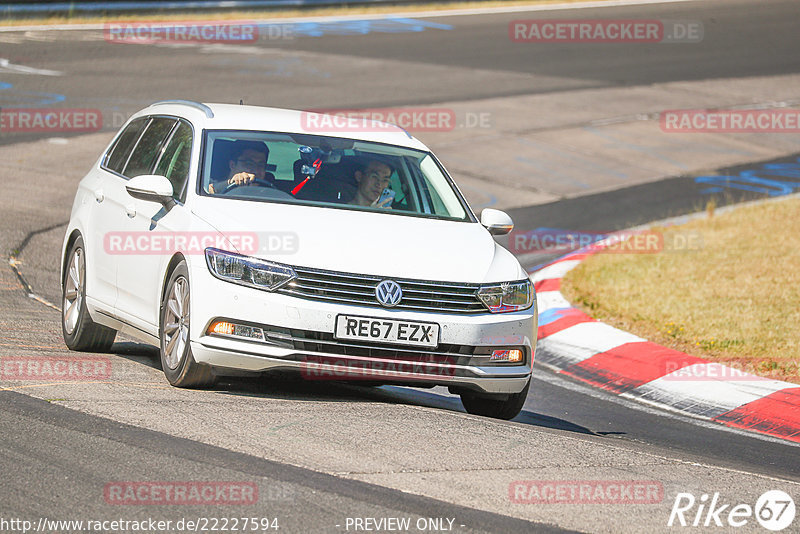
(240, 117)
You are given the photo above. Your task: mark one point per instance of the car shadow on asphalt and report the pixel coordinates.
(546, 421)
(285, 386)
(446, 401)
(137, 352)
(291, 386)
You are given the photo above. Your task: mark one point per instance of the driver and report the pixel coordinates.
(248, 163)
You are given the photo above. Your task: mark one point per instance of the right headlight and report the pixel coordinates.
(248, 271)
(507, 297)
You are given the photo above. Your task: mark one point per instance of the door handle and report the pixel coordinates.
(131, 211)
(98, 195)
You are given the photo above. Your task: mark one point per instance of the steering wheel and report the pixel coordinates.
(258, 182)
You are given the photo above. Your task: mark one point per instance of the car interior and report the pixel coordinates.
(308, 169)
(334, 182)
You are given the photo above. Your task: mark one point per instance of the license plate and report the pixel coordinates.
(387, 331)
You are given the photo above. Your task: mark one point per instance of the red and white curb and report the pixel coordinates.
(574, 344)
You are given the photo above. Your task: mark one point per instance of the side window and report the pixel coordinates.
(176, 158)
(401, 184)
(441, 195)
(118, 155)
(146, 151)
(436, 200)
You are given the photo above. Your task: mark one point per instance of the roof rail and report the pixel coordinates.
(197, 105)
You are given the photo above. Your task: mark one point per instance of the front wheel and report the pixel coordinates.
(507, 407)
(177, 361)
(80, 332)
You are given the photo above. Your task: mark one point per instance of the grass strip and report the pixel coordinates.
(735, 301)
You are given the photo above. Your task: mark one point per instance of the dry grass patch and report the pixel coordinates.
(735, 301)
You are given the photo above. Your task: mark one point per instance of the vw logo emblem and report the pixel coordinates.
(389, 293)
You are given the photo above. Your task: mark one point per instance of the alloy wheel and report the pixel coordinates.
(176, 323)
(73, 291)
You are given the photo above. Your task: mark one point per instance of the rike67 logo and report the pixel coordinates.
(774, 510)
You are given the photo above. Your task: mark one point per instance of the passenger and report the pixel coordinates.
(248, 163)
(372, 179)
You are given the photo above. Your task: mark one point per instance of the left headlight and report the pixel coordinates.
(248, 271)
(507, 297)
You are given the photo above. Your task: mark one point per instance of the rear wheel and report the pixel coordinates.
(177, 361)
(80, 332)
(507, 407)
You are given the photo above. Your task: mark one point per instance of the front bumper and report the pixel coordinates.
(323, 366)
(306, 344)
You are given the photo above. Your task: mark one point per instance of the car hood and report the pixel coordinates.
(362, 242)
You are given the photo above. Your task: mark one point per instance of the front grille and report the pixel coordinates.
(418, 295)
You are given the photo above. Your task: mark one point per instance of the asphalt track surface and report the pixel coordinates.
(301, 500)
(739, 41)
(45, 446)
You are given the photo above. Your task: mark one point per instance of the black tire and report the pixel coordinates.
(487, 406)
(80, 332)
(177, 361)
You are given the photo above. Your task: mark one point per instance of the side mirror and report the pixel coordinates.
(151, 187)
(496, 221)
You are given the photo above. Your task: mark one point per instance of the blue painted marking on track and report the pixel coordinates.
(790, 170)
(535, 268)
(551, 315)
(78, 7)
(359, 27)
(288, 30)
(756, 181)
(32, 99)
(709, 190)
(45, 99)
(401, 24)
(29, 98)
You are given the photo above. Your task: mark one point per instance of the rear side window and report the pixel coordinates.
(149, 146)
(118, 155)
(176, 158)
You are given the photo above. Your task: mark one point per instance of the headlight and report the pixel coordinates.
(507, 297)
(248, 271)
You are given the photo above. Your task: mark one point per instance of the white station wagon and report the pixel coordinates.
(241, 238)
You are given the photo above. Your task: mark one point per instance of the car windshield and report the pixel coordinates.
(328, 171)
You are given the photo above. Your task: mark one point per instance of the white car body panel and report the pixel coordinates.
(368, 242)
(124, 291)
